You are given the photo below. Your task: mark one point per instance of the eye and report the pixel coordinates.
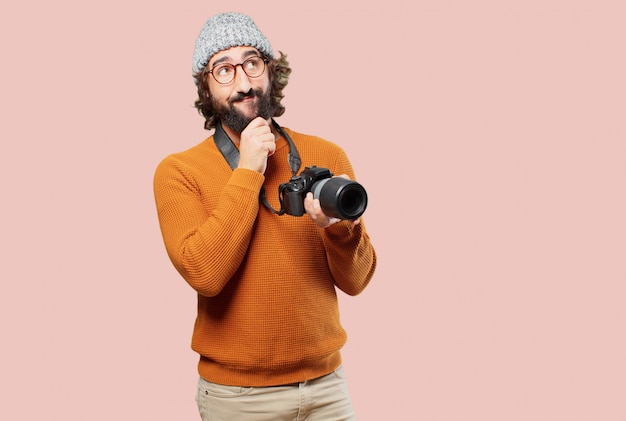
(252, 63)
(223, 70)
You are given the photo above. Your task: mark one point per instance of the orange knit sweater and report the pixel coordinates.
(267, 303)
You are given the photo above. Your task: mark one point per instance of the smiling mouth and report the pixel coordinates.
(246, 104)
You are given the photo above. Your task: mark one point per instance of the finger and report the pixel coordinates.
(258, 122)
(308, 204)
(261, 133)
(271, 147)
(312, 207)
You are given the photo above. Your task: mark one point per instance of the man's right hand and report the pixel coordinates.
(256, 144)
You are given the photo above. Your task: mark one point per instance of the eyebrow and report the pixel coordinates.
(245, 55)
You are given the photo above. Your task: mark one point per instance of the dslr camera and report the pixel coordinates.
(339, 197)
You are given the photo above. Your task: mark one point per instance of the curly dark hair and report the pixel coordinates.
(279, 71)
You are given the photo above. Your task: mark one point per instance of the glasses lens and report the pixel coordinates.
(254, 66)
(224, 73)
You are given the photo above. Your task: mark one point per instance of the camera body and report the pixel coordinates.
(339, 197)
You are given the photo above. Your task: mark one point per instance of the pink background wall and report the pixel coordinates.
(490, 135)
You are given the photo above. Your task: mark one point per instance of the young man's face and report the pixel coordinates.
(243, 98)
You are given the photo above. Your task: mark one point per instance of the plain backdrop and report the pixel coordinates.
(491, 138)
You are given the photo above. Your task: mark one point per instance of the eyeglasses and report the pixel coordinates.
(224, 73)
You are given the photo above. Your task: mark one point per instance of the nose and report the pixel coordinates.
(242, 81)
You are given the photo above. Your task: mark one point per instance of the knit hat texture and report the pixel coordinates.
(224, 31)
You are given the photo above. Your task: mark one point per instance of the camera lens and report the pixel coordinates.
(340, 198)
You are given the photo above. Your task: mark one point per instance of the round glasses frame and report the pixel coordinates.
(253, 67)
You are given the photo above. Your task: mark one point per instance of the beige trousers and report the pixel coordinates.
(323, 399)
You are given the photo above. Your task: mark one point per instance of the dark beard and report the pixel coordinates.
(237, 121)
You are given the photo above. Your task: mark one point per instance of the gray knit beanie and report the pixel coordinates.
(224, 31)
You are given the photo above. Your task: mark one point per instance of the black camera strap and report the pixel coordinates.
(231, 154)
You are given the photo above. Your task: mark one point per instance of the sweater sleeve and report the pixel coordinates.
(350, 253)
(351, 256)
(205, 245)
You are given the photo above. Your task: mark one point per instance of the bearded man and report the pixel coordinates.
(268, 331)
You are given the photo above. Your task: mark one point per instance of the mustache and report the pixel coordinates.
(252, 93)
